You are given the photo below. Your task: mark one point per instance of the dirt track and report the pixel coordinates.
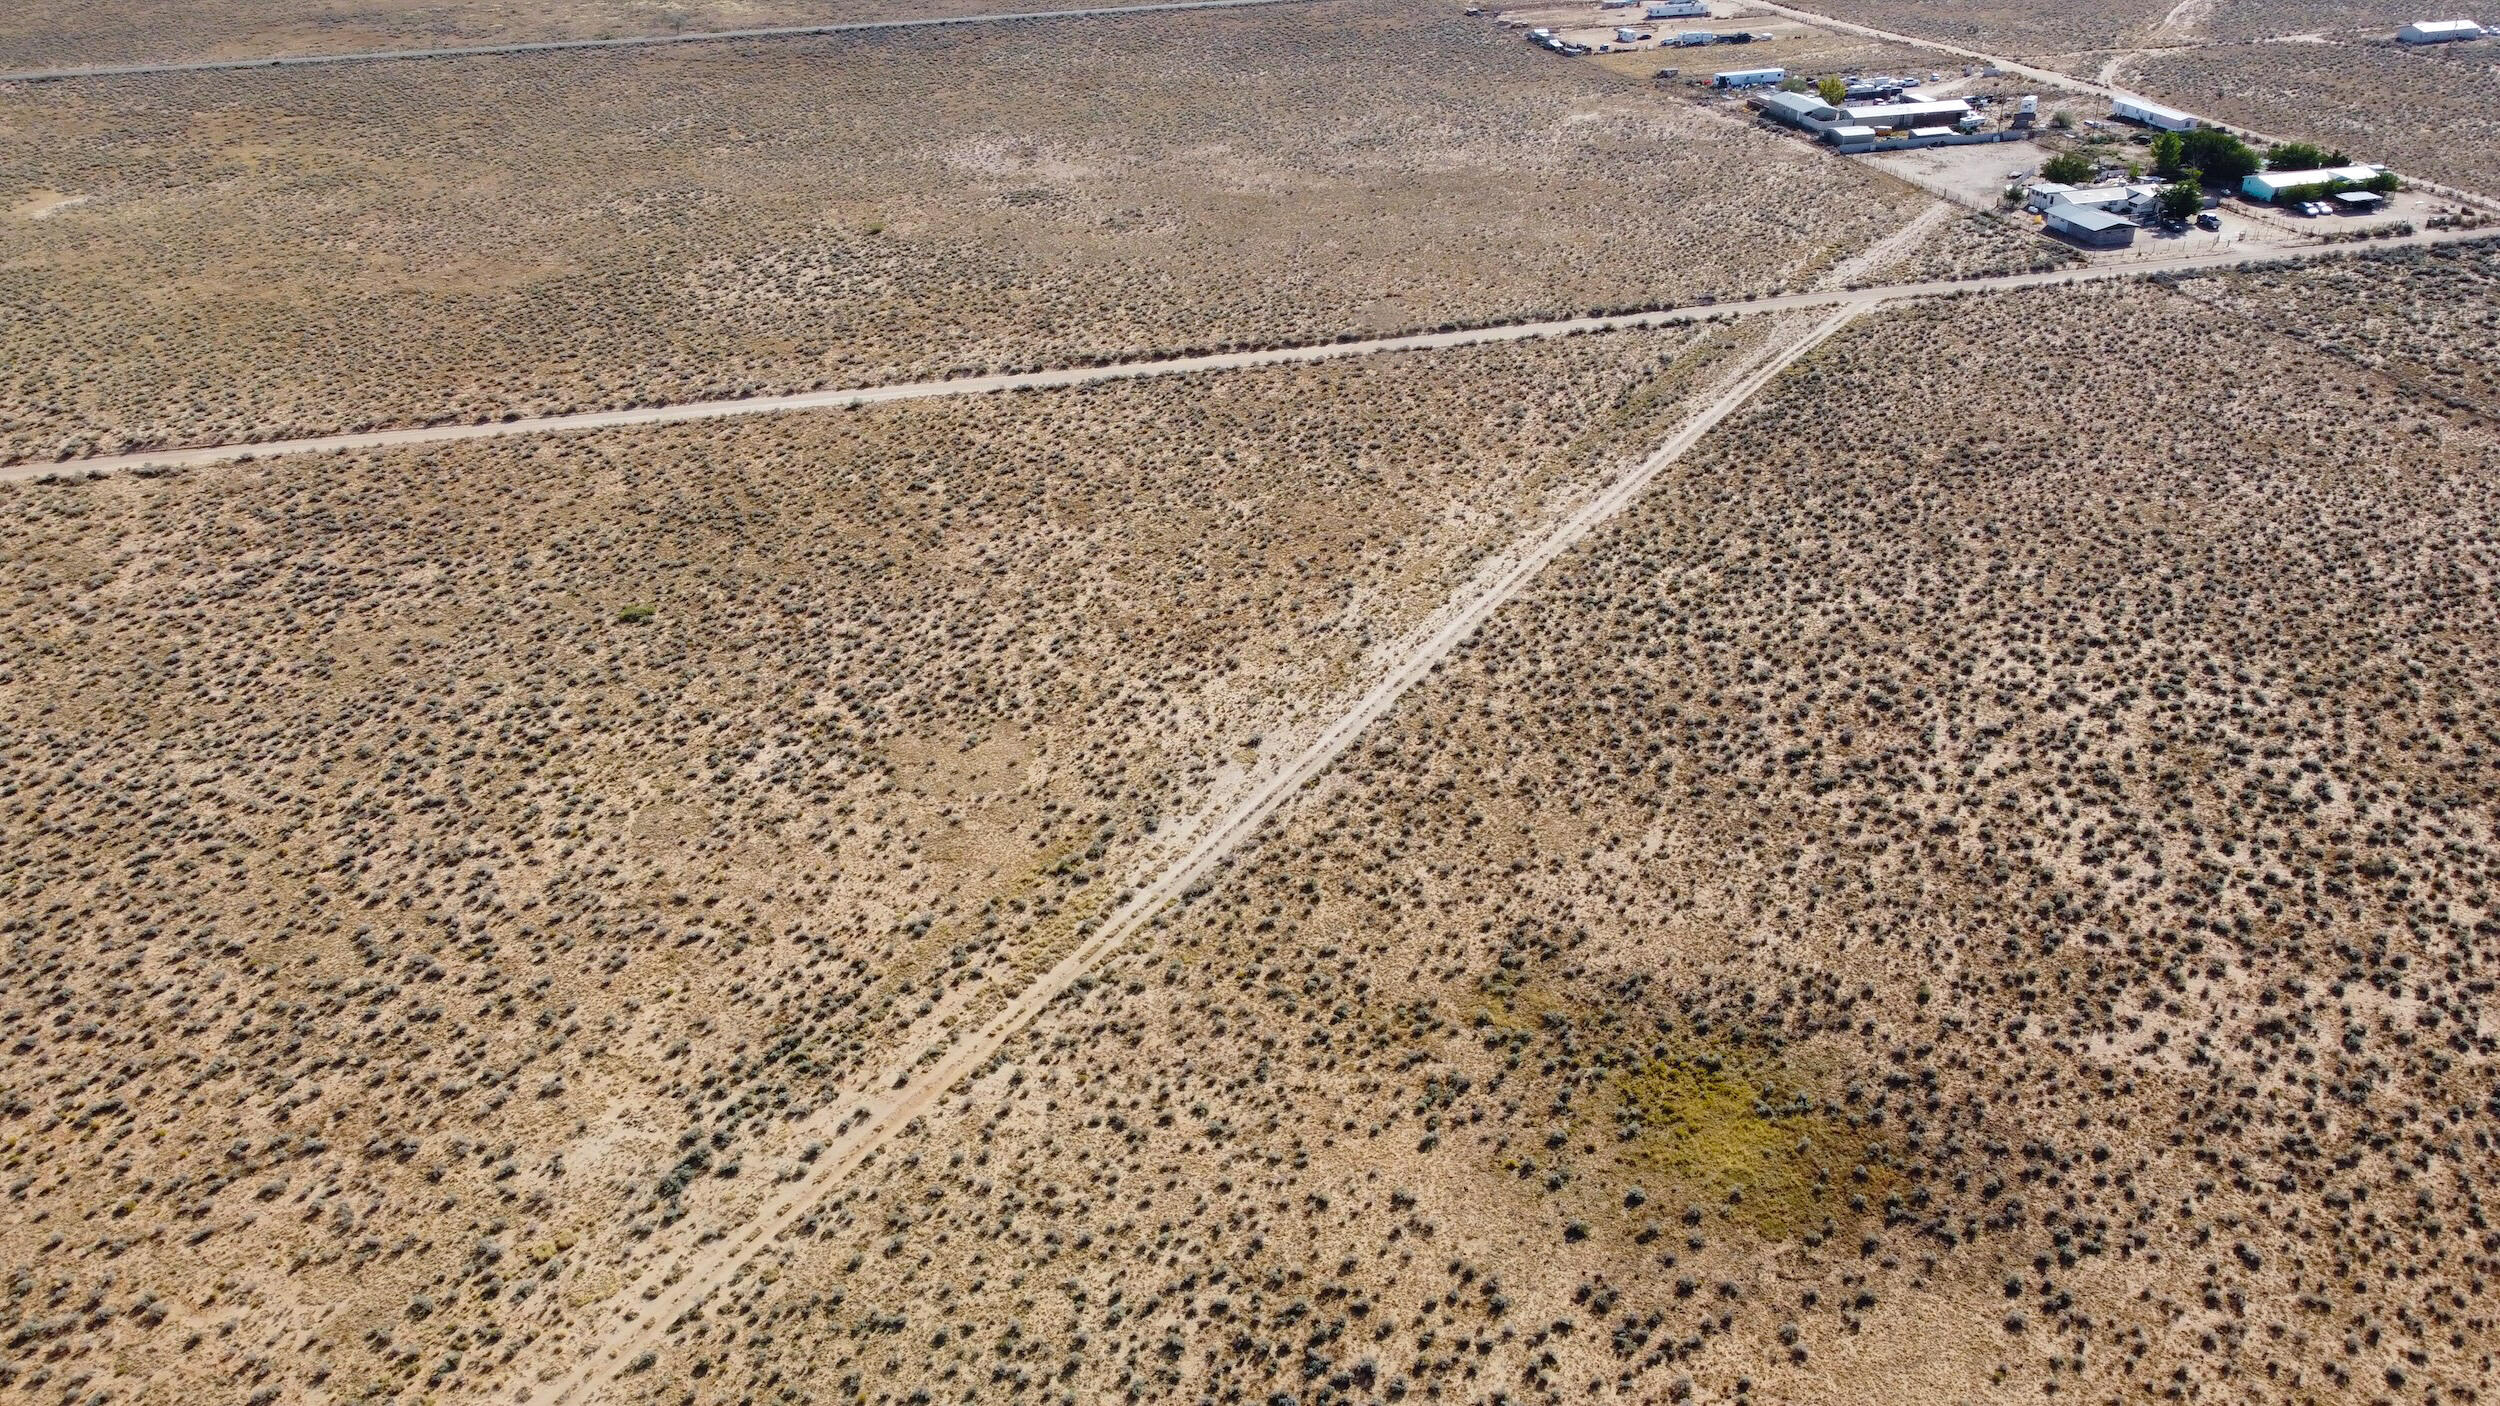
(1861, 298)
(853, 1127)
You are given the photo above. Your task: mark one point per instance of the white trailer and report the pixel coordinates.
(1675, 10)
(2167, 119)
(1749, 78)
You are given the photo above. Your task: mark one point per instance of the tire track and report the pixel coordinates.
(880, 1110)
(688, 412)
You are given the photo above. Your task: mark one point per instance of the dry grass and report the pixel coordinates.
(59, 34)
(433, 872)
(2426, 113)
(1978, 245)
(2427, 320)
(2226, 20)
(262, 255)
(2011, 30)
(1927, 908)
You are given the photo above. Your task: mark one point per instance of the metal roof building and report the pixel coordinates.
(1800, 110)
(1935, 114)
(2267, 185)
(2439, 31)
(2097, 229)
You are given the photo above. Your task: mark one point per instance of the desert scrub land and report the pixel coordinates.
(1924, 908)
(2426, 319)
(2428, 115)
(2225, 20)
(262, 257)
(2004, 27)
(1977, 245)
(434, 873)
(53, 34)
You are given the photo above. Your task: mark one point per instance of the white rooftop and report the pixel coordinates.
(2122, 106)
(2084, 216)
(2271, 181)
(1892, 114)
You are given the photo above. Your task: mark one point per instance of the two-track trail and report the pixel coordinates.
(852, 1128)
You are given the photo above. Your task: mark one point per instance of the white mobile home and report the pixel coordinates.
(2439, 31)
(2040, 195)
(1749, 78)
(2136, 110)
(2141, 198)
(1675, 10)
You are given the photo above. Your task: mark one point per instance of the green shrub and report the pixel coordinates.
(2068, 168)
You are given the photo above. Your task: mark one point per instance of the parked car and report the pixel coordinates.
(2209, 220)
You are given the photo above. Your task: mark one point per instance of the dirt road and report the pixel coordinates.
(851, 1128)
(634, 41)
(693, 411)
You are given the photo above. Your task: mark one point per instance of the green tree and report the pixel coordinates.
(1831, 90)
(2169, 154)
(2183, 199)
(2225, 159)
(2302, 156)
(2071, 168)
